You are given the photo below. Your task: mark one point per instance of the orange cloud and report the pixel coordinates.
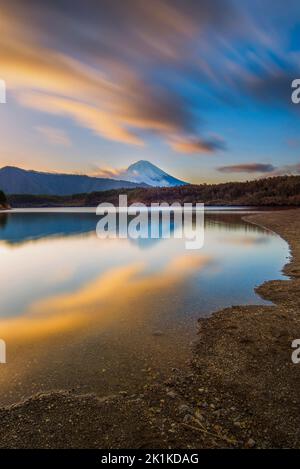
(100, 122)
(102, 90)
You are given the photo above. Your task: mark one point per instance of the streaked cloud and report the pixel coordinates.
(247, 168)
(198, 145)
(110, 92)
(88, 116)
(112, 173)
(263, 168)
(137, 72)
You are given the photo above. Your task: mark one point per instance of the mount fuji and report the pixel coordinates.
(145, 172)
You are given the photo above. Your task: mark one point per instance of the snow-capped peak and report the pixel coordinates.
(145, 172)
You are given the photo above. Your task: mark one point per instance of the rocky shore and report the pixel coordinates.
(241, 388)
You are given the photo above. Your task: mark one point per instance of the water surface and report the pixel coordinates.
(111, 315)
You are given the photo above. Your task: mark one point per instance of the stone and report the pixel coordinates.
(187, 418)
(184, 409)
(250, 443)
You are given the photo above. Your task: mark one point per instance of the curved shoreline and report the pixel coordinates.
(241, 389)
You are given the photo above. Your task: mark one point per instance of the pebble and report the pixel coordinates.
(171, 394)
(187, 418)
(250, 443)
(199, 416)
(184, 409)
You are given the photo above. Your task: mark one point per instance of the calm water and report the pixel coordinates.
(113, 315)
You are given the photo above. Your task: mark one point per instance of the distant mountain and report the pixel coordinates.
(146, 172)
(19, 181)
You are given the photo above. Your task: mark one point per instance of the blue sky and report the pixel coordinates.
(202, 89)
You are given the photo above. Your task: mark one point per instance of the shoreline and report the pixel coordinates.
(240, 389)
(4, 208)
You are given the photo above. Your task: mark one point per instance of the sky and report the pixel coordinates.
(200, 88)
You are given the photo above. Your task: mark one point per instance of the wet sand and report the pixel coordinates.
(240, 389)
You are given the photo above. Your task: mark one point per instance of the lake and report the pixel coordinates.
(110, 315)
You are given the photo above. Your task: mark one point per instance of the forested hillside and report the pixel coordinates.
(276, 191)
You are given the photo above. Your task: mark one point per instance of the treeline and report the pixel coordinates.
(3, 199)
(276, 191)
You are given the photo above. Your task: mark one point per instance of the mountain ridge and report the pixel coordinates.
(14, 180)
(142, 174)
